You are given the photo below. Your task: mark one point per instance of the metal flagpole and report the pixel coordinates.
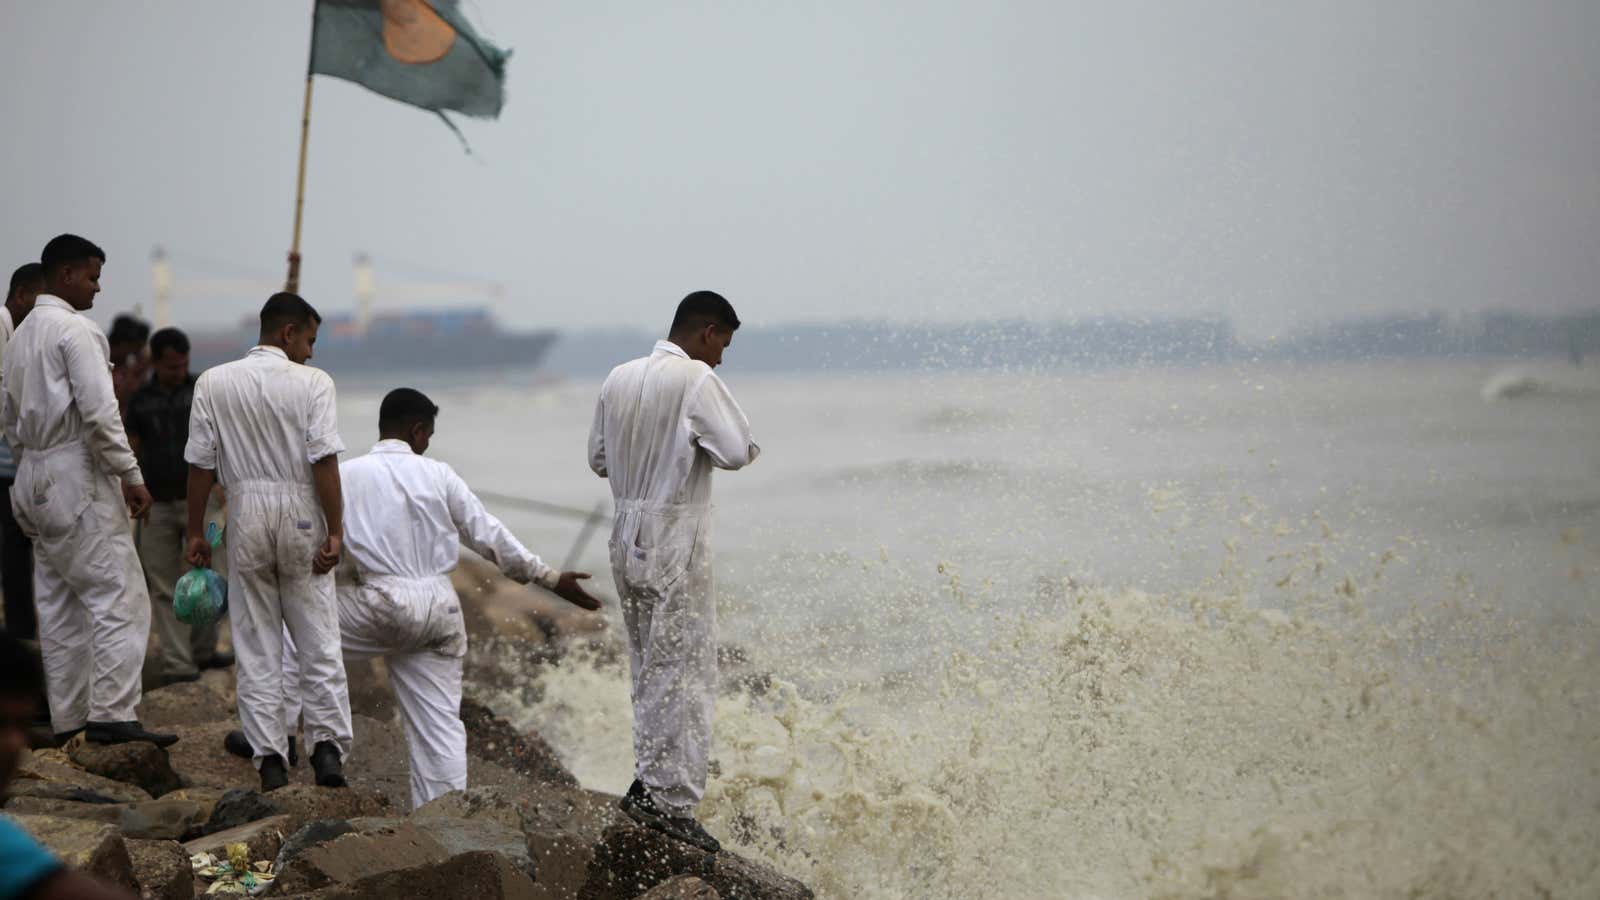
(292, 283)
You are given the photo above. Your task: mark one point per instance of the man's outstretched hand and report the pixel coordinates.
(569, 589)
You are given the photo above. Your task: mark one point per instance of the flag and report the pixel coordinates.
(421, 52)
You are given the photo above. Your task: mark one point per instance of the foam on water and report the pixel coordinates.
(1110, 743)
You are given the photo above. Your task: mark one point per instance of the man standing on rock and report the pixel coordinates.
(265, 426)
(77, 482)
(405, 522)
(662, 424)
(157, 419)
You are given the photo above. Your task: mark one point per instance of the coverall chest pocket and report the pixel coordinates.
(61, 489)
(658, 558)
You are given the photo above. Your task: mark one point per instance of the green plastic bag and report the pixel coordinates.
(201, 595)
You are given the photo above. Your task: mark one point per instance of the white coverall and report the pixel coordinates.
(406, 517)
(60, 415)
(662, 423)
(259, 423)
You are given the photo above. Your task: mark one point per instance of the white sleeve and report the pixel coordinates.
(201, 450)
(322, 427)
(597, 437)
(88, 355)
(719, 426)
(486, 536)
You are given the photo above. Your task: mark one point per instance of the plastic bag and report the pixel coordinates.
(201, 595)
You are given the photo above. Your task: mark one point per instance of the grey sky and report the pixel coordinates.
(1280, 163)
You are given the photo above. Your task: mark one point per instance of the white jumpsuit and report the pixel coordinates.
(406, 517)
(662, 424)
(60, 415)
(259, 423)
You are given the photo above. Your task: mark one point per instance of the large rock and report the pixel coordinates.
(476, 874)
(240, 806)
(207, 797)
(185, 703)
(562, 825)
(683, 887)
(631, 860)
(162, 819)
(162, 870)
(49, 773)
(360, 848)
(263, 837)
(92, 847)
(494, 738)
(138, 762)
(308, 803)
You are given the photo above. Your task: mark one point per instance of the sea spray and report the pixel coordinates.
(1122, 744)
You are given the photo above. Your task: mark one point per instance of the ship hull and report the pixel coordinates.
(401, 353)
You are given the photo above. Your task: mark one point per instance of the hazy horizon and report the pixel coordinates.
(1279, 166)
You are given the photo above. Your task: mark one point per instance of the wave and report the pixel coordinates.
(1516, 382)
(1115, 743)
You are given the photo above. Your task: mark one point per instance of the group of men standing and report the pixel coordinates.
(325, 561)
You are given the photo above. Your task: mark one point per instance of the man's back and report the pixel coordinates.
(389, 486)
(264, 418)
(655, 417)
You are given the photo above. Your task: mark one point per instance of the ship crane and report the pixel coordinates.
(167, 288)
(366, 284)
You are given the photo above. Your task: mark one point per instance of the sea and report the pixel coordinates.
(1244, 630)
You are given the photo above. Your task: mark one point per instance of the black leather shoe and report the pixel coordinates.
(169, 680)
(274, 774)
(325, 762)
(236, 743)
(221, 659)
(63, 736)
(126, 733)
(642, 809)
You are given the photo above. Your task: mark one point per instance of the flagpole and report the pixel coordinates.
(292, 282)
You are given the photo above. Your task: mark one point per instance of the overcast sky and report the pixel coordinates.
(1280, 163)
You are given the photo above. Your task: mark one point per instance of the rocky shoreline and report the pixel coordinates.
(188, 821)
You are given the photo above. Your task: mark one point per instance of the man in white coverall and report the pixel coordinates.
(406, 518)
(662, 424)
(265, 426)
(77, 481)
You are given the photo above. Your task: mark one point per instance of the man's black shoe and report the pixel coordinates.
(221, 659)
(325, 762)
(642, 809)
(63, 736)
(126, 733)
(169, 680)
(274, 774)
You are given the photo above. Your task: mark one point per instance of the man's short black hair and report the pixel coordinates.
(20, 672)
(168, 339)
(404, 407)
(126, 329)
(703, 308)
(67, 249)
(26, 275)
(284, 308)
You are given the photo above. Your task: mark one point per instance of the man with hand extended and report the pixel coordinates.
(265, 425)
(77, 482)
(662, 423)
(406, 520)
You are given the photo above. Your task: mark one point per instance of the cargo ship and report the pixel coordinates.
(456, 338)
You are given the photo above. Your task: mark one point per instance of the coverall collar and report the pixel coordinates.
(670, 347)
(267, 349)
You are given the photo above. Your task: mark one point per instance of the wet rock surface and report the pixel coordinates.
(523, 828)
